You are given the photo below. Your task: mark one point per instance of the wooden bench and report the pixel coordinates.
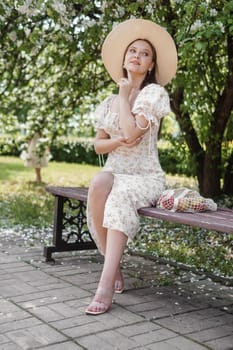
(70, 230)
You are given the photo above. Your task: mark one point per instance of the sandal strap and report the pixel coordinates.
(98, 305)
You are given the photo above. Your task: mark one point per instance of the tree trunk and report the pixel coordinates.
(228, 177)
(211, 185)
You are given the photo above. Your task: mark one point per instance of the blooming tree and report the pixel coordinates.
(51, 70)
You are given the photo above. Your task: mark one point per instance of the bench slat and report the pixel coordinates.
(79, 193)
(220, 220)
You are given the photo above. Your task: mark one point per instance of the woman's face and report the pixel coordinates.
(139, 57)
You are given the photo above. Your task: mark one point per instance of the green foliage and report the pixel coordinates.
(29, 206)
(51, 71)
(9, 146)
(64, 150)
(176, 159)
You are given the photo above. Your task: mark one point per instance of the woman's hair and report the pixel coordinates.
(150, 76)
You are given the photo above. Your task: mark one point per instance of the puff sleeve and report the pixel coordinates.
(152, 102)
(101, 111)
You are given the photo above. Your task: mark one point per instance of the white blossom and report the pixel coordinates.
(19, 43)
(121, 11)
(13, 36)
(86, 23)
(213, 12)
(196, 25)
(59, 6)
(27, 9)
(150, 9)
(221, 26)
(27, 32)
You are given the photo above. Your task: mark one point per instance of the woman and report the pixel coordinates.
(141, 57)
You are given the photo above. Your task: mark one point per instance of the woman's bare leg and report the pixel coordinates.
(98, 192)
(115, 245)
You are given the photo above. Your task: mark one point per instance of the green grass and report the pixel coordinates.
(26, 205)
(25, 202)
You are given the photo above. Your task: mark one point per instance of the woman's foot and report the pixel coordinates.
(119, 282)
(101, 303)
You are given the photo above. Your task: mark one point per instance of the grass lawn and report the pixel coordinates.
(26, 205)
(23, 201)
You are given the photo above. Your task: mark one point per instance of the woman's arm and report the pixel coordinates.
(132, 126)
(104, 144)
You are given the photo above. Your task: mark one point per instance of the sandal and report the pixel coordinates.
(97, 306)
(119, 287)
(119, 283)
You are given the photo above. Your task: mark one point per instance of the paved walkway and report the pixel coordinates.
(42, 305)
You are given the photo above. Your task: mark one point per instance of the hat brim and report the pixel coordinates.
(116, 42)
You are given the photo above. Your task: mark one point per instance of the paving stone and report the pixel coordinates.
(120, 341)
(16, 266)
(161, 308)
(94, 325)
(46, 314)
(212, 333)
(7, 307)
(3, 339)
(5, 258)
(177, 343)
(224, 343)
(52, 296)
(65, 309)
(49, 284)
(9, 346)
(196, 321)
(153, 336)
(72, 322)
(65, 345)
(32, 337)
(126, 315)
(13, 325)
(34, 275)
(82, 280)
(93, 342)
(138, 328)
(13, 287)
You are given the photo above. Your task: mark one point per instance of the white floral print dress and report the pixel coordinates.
(138, 177)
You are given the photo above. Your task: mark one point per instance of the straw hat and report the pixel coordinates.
(123, 34)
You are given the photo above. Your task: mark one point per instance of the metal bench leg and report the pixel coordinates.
(70, 231)
(57, 229)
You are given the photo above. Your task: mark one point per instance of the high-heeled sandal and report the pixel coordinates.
(119, 287)
(98, 307)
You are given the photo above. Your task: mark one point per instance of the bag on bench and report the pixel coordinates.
(185, 200)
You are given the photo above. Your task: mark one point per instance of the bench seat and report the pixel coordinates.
(74, 217)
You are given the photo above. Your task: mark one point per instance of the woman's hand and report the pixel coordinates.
(125, 87)
(123, 141)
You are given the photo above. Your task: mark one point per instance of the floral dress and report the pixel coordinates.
(138, 177)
